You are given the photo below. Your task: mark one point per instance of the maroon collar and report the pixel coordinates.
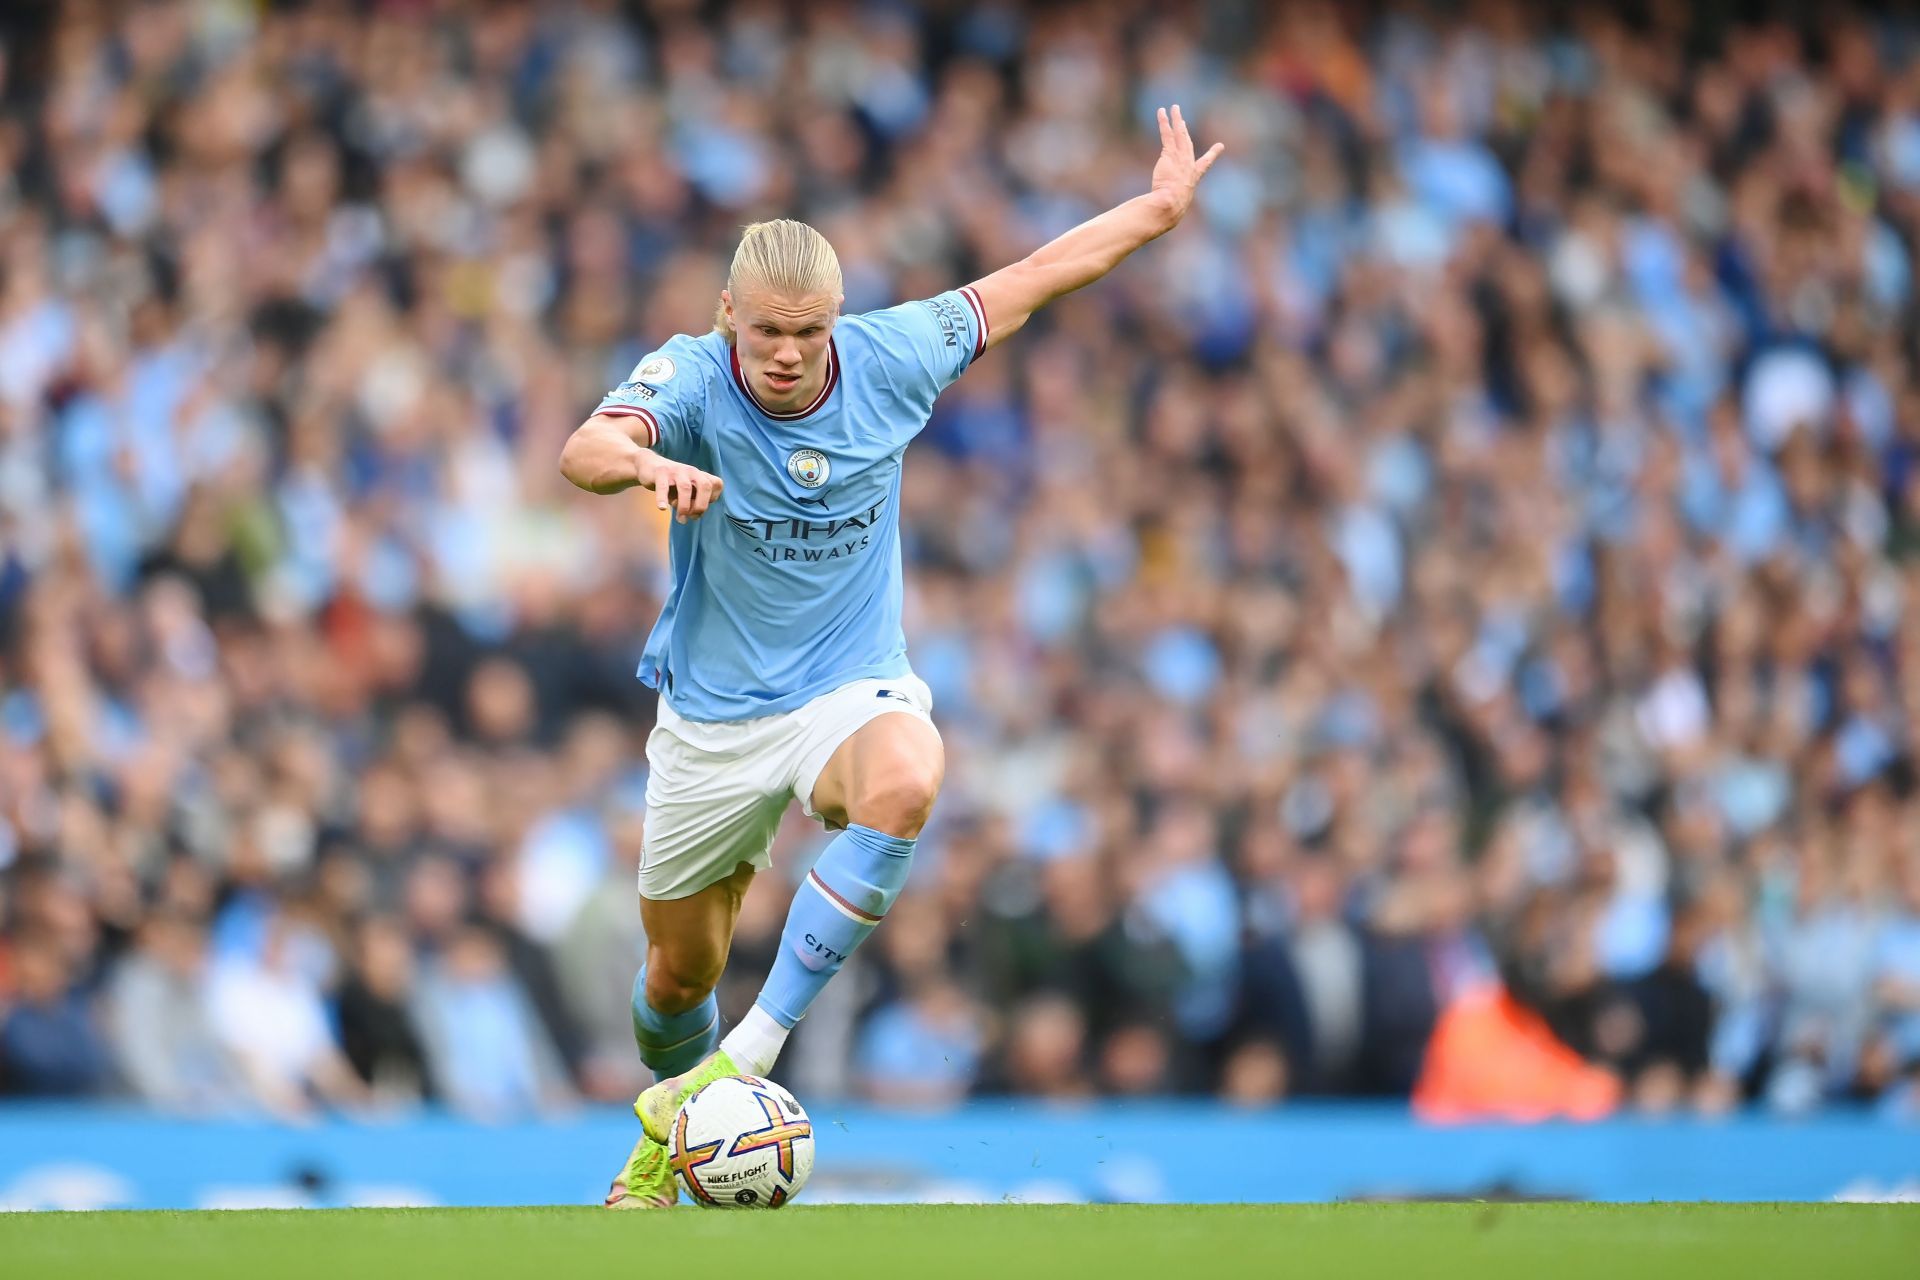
(826, 388)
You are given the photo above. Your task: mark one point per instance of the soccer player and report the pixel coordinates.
(779, 657)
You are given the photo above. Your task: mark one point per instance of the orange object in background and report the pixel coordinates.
(1492, 1058)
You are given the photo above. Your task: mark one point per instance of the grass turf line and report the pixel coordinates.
(992, 1242)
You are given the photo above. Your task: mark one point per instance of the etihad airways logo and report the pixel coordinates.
(801, 541)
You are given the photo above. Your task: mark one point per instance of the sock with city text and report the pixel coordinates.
(844, 897)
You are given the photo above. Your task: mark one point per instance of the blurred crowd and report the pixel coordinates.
(1475, 554)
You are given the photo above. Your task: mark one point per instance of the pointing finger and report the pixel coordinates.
(1166, 129)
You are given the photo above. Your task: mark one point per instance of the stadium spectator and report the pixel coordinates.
(1897, 976)
(1488, 530)
(160, 1024)
(923, 1049)
(603, 939)
(491, 1057)
(265, 1005)
(377, 1031)
(1045, 1055)
(50, 1045)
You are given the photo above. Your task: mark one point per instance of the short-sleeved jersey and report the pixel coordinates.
(791, 585)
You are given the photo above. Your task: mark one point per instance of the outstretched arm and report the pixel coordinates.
(1095, 247)
(608, 453)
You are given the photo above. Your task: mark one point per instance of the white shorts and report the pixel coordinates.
(716, 791)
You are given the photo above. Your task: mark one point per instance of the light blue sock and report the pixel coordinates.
(671, 1043)
(844, 897)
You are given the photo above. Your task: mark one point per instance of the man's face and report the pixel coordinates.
(782, 342)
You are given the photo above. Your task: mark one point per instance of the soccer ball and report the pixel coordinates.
(742, 1143)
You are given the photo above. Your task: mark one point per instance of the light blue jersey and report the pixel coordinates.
(790, 586)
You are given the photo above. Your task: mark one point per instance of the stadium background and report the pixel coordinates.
(1437, 626)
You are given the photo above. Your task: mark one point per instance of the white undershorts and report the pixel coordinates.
(716, 791)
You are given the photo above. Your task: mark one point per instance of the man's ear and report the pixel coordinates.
(726, 303)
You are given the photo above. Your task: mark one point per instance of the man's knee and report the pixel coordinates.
(677, 984)
(898, 799)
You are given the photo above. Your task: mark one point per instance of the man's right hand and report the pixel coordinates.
(687, 491)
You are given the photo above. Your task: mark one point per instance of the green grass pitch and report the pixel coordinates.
(996, 1242)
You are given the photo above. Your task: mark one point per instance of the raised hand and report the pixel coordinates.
(1177, 172)
(1072, 261)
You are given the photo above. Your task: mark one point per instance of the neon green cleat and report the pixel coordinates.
(647, 1182)
(657, 1106)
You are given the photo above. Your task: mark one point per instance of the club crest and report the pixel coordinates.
(808, 467)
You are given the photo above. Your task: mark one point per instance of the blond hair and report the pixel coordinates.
(781, 256)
